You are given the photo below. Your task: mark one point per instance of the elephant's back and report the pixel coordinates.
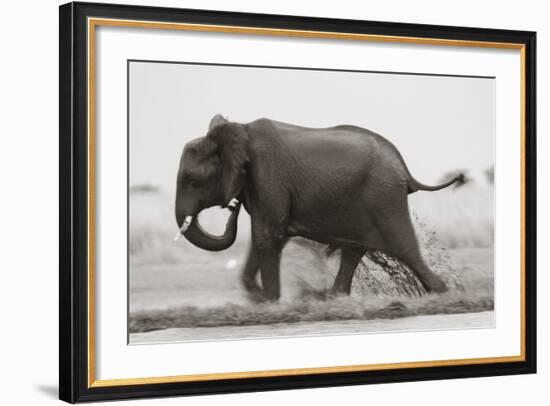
(342, 135)
(346, 148)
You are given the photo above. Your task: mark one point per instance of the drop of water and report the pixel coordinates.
(232, 263)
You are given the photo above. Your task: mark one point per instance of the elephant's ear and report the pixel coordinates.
(232, 140)
(217, 120)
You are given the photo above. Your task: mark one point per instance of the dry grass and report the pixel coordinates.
(305, 309)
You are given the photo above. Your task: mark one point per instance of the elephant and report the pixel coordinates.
(343, 186)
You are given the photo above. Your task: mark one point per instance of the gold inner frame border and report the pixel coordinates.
(92, 23)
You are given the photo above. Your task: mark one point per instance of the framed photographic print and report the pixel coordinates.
(256, 202)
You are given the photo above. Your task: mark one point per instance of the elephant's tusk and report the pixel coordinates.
(184, 227)
(232, 203)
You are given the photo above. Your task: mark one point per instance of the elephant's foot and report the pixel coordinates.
(257, 295)
(435, 285)
(271, 295)
(335, 291)
(251, 285)
(261, 297)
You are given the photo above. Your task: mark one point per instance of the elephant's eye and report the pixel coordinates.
(192, 181)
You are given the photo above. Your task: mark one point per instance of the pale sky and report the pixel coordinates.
(438, 123)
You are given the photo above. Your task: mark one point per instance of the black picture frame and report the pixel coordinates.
(74, 385)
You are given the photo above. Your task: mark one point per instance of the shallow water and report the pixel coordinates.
(200, 298)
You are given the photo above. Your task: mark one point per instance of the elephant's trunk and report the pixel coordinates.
(196, 235)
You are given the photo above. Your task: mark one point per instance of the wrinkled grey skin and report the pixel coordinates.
(343, 186)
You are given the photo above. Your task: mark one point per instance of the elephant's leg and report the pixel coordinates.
(350, 257)
(400, 240)
(270, 272)
(268, 250)
(250, 272)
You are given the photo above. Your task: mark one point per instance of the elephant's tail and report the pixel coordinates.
(415, 185)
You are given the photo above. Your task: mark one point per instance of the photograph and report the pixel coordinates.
(270, 201)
